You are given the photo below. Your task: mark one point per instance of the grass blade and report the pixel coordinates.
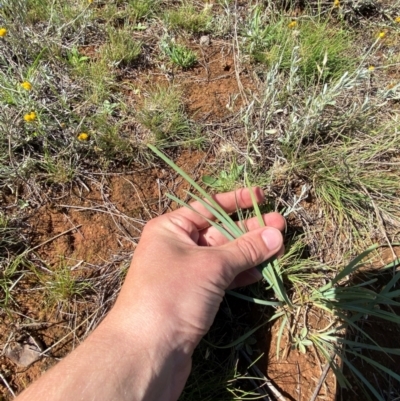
(254, 300)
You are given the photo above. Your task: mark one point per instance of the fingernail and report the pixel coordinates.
(272, 238)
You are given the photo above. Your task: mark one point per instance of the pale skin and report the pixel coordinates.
(178, 276)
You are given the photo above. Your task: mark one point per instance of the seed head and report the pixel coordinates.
(83, 136)
(26, 85)
(30, 117)
(3, 32)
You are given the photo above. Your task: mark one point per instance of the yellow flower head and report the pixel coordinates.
(30, 117)
(26, 85)
(371, 68)
(391, 85)
(83, 136)
(90, 1)
(336, 3)
(292, 24)
(397, 20)
(3, 32)
(381, 35)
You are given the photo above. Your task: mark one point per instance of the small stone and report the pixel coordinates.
(24, 353)
(205, 40)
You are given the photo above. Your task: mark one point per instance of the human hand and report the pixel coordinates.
(181, 269)
(142, 350)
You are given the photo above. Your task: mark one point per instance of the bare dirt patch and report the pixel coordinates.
(295, 374)
(212, 89)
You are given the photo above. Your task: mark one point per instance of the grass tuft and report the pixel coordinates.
(188, 18)
(178, 54)
(164, 115)
(324, 48)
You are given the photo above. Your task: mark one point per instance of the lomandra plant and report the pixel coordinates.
(345, 304)
(228, 227)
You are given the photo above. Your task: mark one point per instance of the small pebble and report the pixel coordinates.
(205, 40)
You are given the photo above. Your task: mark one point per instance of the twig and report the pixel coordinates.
(7, 385)
(138, 195)
(122, 215)
(236, 59)
(321, 381)
(68, 334)
(55, 237)
(263, 393)
(268, 382)
(298, 382)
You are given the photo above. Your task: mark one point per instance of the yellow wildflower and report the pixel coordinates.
(292, 24)
(336, 3)
(90, 1)
(3, 32)
(397, 20)
(30, 117)
(83, 136)
(26, 85)
(381, 35)
(371, 68)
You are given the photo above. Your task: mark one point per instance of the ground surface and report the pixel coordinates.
(74, 209)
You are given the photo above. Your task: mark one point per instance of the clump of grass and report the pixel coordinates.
(55, 170)
(227, 180)
(142, 8)
(121, 47)
(62, 286)
(339, 148)
(178, 54)
(111, 142)
(131, 12)
(190, 19)
(324, 48)
(98, 81)
(164, 115)
(11, 259)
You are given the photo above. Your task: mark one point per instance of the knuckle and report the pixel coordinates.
(249, 250)
(150, 224)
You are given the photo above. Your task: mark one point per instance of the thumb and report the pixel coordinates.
(251, 249)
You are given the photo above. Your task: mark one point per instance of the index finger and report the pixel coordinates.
(229, 201)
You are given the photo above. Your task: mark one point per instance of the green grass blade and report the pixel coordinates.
(269, 272)
(246, 335)
(279, 336)
(376, 364)
(391, 283)
(255, 204)
(184, 175)
(228, 223)
(254, 300)
(356, 344)
(353, 265)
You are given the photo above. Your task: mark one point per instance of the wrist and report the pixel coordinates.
(156, 366)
